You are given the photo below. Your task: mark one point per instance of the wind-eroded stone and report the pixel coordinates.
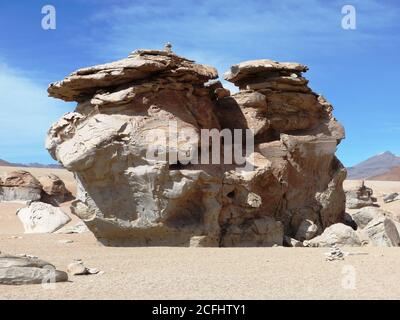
(126, 197)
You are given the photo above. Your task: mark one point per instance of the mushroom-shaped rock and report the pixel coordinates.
(134, 143)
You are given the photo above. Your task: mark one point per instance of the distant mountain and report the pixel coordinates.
(374, 167)
(392, 175)
(4, 163)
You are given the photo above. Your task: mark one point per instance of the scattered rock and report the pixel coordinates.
(80, 227)
(77, 268)
(19, 270)
(42, 217)
(19, 186)
(382, 232)
(391, 197)
(367, 214)
(337, 234)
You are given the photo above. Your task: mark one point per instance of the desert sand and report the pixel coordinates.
(201, 273)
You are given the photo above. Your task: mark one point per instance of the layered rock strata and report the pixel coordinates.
(126, 197)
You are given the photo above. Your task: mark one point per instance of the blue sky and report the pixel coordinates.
(356, 70)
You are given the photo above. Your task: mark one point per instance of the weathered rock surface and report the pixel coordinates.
(42, 217)
(54, 190)
(19, 186)
(382, 232)
(16, 270)
(127, 197)
(337, 234)
(366, 215)
(377, 227)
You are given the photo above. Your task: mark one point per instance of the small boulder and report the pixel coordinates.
(22, 270)
(367, 214)
(54, 189)
(337, 234)
(19, 186)
(77, 268)
(382, 232)
(42, 217)
(391, 197)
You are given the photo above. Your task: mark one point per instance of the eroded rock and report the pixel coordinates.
(19, 186)
(360, 197)
(19, 270)
(54, 190)
(42, 217)
(127, 197)
(336, 235)
(382, 232)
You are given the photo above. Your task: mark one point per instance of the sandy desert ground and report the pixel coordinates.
(202, 273)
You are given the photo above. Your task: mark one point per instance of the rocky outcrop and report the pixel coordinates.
(19, 186)
(42, 217)
(288, 184)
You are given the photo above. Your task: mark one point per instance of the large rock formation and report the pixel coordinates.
(290, 184)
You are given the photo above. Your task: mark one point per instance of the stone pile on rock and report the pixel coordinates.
(360, 197)
(293, 189)
(335, 254)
